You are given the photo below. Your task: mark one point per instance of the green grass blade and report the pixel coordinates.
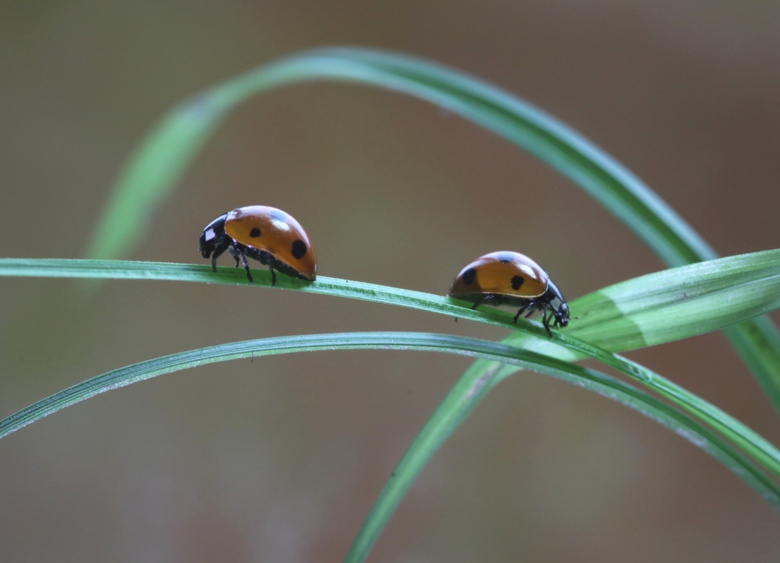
(474, 385)
(648, 310)
(680, 302)
(458, 404)
(696, 423)
(469, 391)
(253, 349)
(757, 342)
(538, 133)
(149, 176)
(561, 344)
(635, 300)
(153, 170)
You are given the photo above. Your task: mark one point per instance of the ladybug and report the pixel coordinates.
(264, 233)
(511, 278)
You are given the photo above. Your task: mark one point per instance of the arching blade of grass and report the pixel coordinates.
(697, 422)
(630, 314)
(458, 404)
(755, 267)
(483, 376)
(634, 313)
(153, 170)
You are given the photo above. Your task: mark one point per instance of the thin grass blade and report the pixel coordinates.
(482, 376)
(463, 398)
(645, 311)
(562, 344)
(152, 172)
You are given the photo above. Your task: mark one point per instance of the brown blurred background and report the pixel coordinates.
(280, 459)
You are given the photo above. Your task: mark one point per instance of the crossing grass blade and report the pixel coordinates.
(461, 400)
(152, 172)
(640, 311)
(661, 298)
(481, 377)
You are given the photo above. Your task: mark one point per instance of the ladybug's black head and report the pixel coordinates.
(213, 238)
(558, 305)
(562, 314)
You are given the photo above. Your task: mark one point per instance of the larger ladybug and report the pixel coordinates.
(511, 278)
(264, 233)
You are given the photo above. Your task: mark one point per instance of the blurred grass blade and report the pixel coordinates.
(150, 174)
(153, 170)
(148, 178)
(758, 342)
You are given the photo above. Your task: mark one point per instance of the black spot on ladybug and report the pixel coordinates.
(299, 249)
(255, 232)
(469, 276)
(517, 281)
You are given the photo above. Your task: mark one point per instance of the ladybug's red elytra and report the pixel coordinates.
(511, 278)
(264, 233)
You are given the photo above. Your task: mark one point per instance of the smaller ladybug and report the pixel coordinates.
(511, 278)
(264, 233)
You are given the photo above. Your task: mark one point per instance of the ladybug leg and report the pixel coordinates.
(267, 260)
(528, 308)
(235, 251)
(217, 253)
(240, 250)
(546, 320)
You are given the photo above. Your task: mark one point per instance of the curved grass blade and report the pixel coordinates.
(251, 349)
(458, 404)
(468, 393)
(475, 384)
(150, 174)
(435, 432)
(561, 344)
(152, 171)
(645, 294)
